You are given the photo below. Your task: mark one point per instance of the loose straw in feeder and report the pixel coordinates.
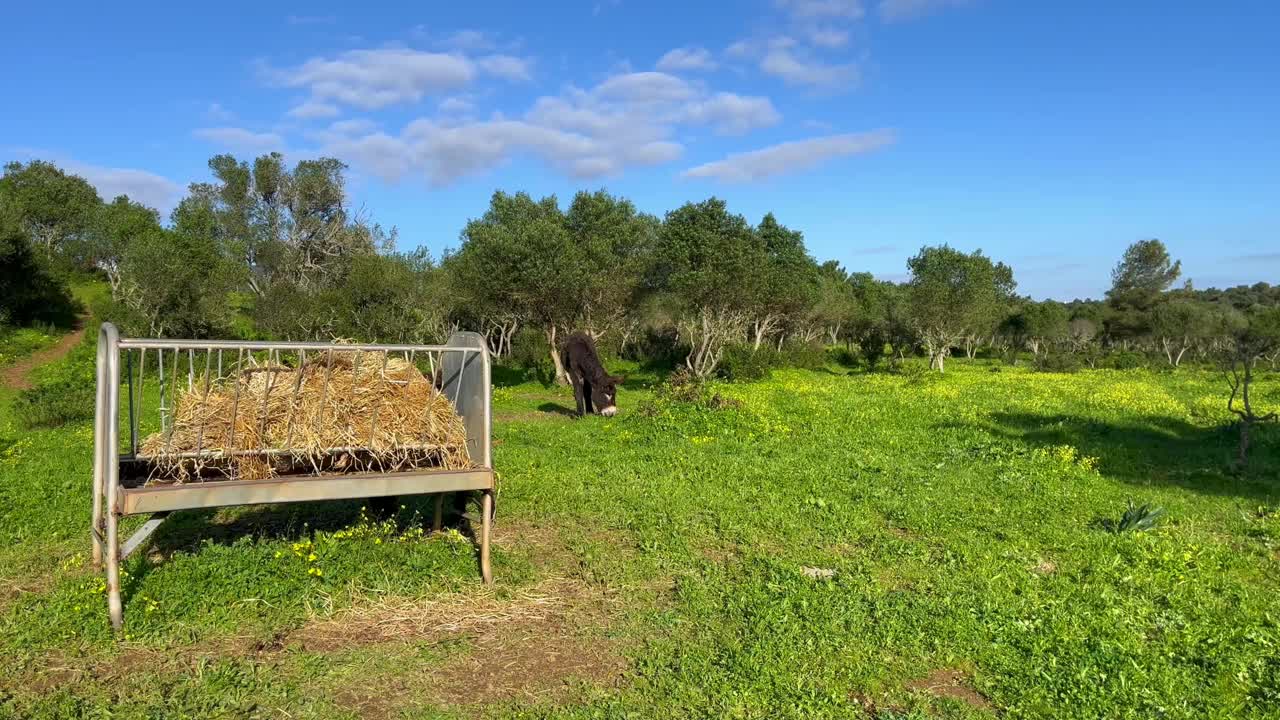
(338, 411)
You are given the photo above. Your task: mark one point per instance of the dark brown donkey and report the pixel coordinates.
(594, 389)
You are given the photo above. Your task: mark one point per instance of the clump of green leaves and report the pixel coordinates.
(1136, 518)
(684, 388)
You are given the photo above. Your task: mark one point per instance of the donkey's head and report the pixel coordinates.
(604, 394)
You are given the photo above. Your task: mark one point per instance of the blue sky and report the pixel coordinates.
(1050, 135)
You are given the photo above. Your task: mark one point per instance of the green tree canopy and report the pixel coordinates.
(953, 293)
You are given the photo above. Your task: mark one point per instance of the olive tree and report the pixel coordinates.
(712, 264)
(1178, 325)
(175, 283)
(787, 279)
(55, 210)
(520, 258)
(953, 293)
(1252, 336)
(617, 244)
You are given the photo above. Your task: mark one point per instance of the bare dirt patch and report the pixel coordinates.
(18, 375)
(1046, 567)
(951, 683)
(531, 644)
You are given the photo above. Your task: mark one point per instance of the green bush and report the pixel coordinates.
(1124, 360)
(531, 353)
(1058, 362)
(64, 391)
(55, 404)
(807, 356)
(740, 363)
(844, 357)
(681, 388)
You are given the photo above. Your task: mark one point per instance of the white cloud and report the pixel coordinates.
(313, 109)
(790, 157)
(373, 79)
(782, 63)
(686, 58)
(354, 126)
(827, 37)
(900, 10)
(469, 40)
(811, 9)
(645, 88)
(141, 186)
(241, 140)
(218, 114)
(505, 66)
(456, 105)
(734, 114)
(628, 120)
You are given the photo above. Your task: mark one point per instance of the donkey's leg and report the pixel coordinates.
(577, 392)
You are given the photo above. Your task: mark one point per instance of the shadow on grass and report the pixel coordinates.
(189, 530)
(557, 409)
(510, 376)
(1157, 451)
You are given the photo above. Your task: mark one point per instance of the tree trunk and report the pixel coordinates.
(760, 328)
(562, 376)
(1243, 455)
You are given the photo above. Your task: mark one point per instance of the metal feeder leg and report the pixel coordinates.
(114, 604)
(486, 510)
(438, 521)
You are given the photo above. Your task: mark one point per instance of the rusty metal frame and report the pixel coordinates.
(466, 382)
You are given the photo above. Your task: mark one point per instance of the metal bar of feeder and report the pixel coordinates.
(163, 409)
(135, 541)
(293, 400)
(158, 344)
(324, 389)
(168, 440)
(128, 375)
(136, 420)
(204, 404)
(462, 373)
(373, 421)
(266, 396)
(279, 452)
(191, 368)
(235, 402)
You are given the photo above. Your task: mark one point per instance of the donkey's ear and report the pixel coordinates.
(618, 379)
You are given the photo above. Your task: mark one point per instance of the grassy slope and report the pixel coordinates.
(959, 514)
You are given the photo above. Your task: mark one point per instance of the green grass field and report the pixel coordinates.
(838, 545)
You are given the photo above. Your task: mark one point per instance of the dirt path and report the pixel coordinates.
(18, 375)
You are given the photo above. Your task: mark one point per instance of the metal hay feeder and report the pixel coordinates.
(119, 478)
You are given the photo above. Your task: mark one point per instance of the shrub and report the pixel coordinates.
(658, 348)
(65, 391)
(742, 364)
(30, 292)
(1058, 363)
(1124, 360)
(531, 353)
(684, 388)
(807, 356)
(55, 404)
(844, 356)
